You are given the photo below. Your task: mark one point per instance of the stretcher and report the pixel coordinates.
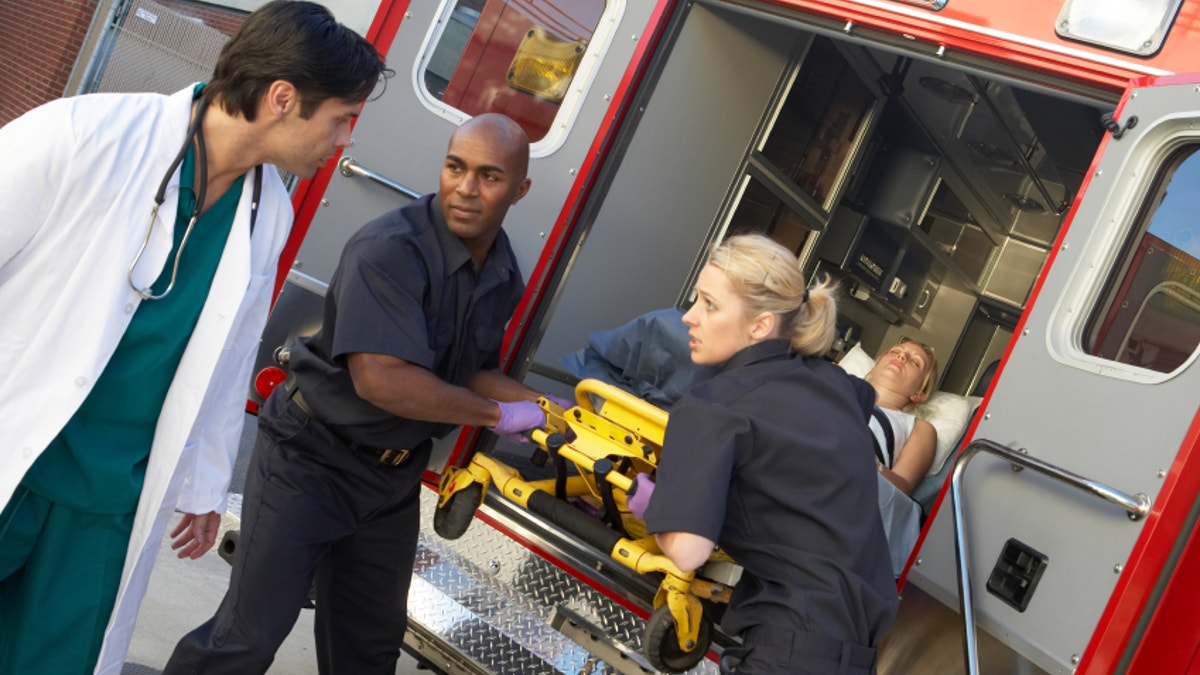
(608, 437)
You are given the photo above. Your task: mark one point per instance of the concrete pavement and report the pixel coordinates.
(184, 594)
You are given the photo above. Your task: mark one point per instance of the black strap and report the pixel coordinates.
(258, 179)
(881, 420)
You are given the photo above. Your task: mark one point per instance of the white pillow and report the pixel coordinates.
(857, 362)
(948, 413)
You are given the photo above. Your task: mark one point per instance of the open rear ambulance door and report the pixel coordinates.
(1081, 555)
(558, 68)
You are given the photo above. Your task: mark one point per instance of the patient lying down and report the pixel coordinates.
(903, 376)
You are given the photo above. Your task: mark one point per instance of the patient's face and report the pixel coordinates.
(901, 369)
(717, 322)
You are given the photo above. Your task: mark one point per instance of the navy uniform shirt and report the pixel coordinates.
(772, 460)
(406, 287)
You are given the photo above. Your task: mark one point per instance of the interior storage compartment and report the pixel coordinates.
(816, 135)
(954, 233)
(899, 184)
(881, 264)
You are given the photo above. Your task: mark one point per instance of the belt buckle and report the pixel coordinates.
(394, 457)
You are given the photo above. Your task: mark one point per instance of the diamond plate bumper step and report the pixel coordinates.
(485, 603)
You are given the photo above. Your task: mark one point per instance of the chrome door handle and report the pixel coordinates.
(350, 168)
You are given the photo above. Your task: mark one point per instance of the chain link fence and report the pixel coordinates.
(159, 50)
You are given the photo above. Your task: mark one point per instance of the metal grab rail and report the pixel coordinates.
(350, 168)
(1137, 506)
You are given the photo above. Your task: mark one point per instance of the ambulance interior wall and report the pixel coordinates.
(660, 210)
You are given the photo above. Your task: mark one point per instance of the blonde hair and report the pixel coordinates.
(768, 278)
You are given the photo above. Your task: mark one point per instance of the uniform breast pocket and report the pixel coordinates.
(488, 338)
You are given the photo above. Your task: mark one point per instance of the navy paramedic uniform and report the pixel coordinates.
(334, 482)
(772, 460)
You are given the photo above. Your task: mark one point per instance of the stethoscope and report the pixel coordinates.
(195, 133)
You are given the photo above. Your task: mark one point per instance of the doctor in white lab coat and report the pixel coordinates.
(76, 191)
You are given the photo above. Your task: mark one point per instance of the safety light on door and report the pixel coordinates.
(1132, 26)
(545, 64)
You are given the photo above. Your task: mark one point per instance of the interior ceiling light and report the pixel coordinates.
(545, 64)
(947, 91)
(1132, 26)
(1023, 203)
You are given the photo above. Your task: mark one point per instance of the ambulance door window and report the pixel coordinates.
(514, 57)
(1149, 314)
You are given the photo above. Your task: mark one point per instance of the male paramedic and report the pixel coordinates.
(139, 237)
(408, 349)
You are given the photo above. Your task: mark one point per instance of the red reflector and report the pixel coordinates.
(267, 380)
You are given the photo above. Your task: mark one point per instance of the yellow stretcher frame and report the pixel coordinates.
(613, 436)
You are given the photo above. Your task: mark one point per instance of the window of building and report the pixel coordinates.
(1149, 315)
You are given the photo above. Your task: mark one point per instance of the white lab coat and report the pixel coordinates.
(77, 181)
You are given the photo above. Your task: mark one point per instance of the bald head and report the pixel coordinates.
(505, 135)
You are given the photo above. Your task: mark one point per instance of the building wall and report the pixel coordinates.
(39, 43)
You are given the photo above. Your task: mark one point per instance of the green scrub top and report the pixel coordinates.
(97, 463)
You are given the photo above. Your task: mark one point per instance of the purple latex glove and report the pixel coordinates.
(638, 497)
(518, 417)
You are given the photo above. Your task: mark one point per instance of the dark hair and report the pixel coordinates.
(300, 43)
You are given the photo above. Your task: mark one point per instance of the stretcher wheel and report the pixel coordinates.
(660, 642)
(452, 520)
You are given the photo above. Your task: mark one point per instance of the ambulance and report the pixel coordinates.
(1015, 183)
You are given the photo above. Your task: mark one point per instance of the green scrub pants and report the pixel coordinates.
(60, 570)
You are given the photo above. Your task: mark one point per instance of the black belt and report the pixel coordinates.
(384, 456)
(801, 644)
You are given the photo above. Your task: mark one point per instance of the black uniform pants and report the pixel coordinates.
(768, 649)
(314, 506)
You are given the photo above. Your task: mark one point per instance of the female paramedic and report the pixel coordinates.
(771, 459)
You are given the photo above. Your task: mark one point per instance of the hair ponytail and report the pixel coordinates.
(816, 322)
